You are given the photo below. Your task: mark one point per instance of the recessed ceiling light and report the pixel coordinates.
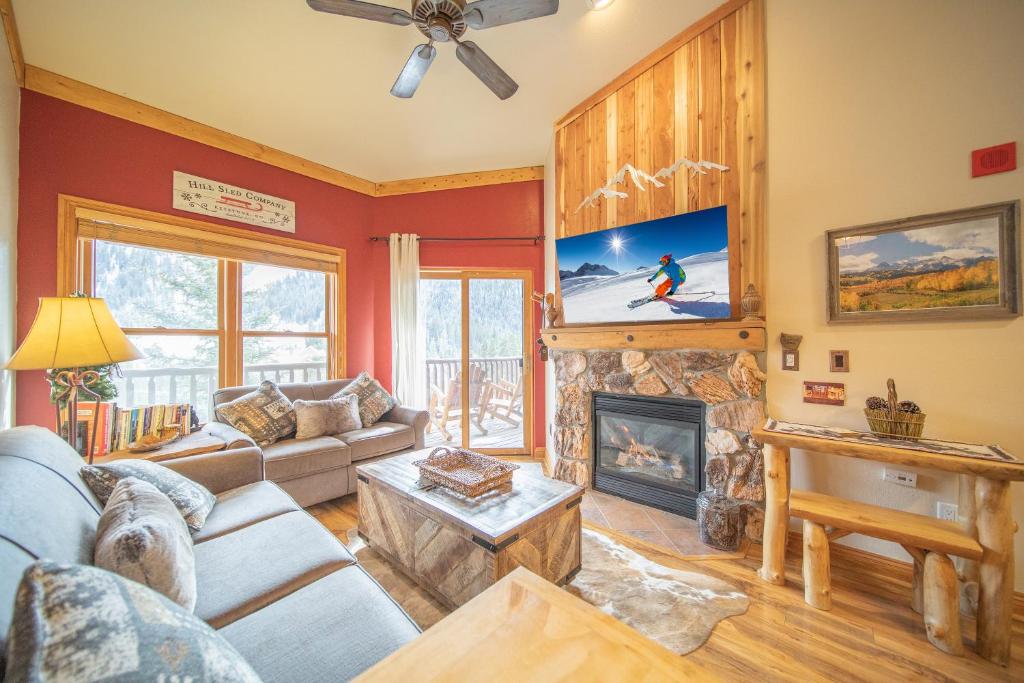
(597, 5)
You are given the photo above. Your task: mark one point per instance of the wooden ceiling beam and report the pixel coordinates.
(460, 180)
(77, 92)
(85, 95)
(13, 40)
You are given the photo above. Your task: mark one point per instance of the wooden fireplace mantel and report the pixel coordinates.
(740, 334)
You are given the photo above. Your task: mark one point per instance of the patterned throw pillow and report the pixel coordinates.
(265, 414)
(193, 500)
(332, 416)
(75, 623)
(374, 401)
(142, 537)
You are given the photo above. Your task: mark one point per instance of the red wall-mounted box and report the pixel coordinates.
(994, 159)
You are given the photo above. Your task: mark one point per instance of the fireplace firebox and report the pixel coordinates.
(649, 450)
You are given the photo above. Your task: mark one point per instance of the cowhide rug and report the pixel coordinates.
(676, 608)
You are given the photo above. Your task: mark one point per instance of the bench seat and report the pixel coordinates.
(905, 528)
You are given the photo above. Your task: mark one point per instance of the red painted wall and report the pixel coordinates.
(77, 151)
(514, 209)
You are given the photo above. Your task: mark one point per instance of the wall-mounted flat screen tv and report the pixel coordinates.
(670, 269)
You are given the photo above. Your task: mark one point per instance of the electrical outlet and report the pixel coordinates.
(947, 511)
(900, 477)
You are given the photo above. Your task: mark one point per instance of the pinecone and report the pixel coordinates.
(877, 403)
(908, 407)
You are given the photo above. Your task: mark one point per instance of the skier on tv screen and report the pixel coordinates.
(675, 274)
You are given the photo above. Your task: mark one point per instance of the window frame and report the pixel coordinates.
(83, 221)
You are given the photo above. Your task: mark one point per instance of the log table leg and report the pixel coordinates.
(817, 574)
(941, 609)
(967, 570)
(995, 573)
(776, 514)
(917, 587)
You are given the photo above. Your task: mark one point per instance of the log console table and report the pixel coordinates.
(987, 471)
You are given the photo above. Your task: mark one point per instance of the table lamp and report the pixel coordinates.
(68, 334)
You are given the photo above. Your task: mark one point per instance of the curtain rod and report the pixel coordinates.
(534, 239)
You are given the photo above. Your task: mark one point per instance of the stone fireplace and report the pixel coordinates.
(728, 384)
(649, 449)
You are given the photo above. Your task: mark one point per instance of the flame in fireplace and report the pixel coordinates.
(642, 453)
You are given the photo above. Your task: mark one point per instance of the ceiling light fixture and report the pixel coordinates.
(598, 5)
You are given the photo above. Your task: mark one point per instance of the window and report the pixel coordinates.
(209, 306)
(284, 313)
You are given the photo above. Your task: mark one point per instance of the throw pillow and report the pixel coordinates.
(374, 401)
(265, 414)
(75, 623)
(331, 416)
(142, 537)
(193, 500)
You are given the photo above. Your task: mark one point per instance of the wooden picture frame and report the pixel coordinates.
(839, 361)
(947, 258)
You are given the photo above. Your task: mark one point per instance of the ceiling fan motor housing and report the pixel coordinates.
(440, 20)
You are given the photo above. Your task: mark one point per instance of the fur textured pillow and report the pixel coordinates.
(265, 414)
(76, 624)
(331, 416)
(142, 537)
(374, 401)
(194, 501)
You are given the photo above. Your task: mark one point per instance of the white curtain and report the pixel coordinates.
(406, 365)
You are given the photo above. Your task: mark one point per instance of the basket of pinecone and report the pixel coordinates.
(892, 418)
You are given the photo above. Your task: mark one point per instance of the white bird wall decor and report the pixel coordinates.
(640, 178)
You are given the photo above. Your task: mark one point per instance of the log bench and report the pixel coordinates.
(929, 541)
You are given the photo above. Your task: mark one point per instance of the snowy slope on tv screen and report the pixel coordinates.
(674, 268)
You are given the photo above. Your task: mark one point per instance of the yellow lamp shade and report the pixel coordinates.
(72, 332)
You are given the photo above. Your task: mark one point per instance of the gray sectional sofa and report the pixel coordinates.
(274, 582)
(323, 468)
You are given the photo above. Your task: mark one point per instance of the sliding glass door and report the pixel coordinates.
(476, 329)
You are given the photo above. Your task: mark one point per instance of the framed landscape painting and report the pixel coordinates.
(953, 265)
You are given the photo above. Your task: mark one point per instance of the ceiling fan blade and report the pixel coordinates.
(488, 13)
(477, 61)
(412, 73)
(363, 10)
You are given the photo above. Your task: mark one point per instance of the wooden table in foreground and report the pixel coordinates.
(455, 546)
(526, 629)
(989, 517)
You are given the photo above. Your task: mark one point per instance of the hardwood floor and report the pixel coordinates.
(871, 634)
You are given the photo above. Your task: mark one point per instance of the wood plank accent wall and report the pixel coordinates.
(700, 96)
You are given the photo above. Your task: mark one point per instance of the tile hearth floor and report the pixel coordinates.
(672, 532)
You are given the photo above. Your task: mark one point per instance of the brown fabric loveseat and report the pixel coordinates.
(323, 468)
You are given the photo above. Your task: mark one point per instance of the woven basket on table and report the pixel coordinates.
(465, 472)
(893, 423)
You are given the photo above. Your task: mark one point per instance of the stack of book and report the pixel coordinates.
(117, 427)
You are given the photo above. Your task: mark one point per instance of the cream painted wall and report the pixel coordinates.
(10, 103)
(873, 109)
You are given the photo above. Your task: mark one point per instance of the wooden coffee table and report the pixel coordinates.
(454, 546)
(523, 629)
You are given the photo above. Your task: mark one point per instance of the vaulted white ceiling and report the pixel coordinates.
(316, 85)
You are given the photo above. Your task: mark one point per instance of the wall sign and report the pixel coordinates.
(825, 393)
(211, 198)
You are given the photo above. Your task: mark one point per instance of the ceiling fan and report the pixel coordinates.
(443, 21)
